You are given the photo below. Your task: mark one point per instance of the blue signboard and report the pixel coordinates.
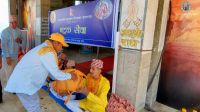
(87, 24)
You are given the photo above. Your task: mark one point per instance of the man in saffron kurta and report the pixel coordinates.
(96, 91)
(31, 72)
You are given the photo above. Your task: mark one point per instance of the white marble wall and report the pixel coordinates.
(150, 21)
(127, 74)
(159, 39)
(132, 76)
(134, 65)
(143, 79)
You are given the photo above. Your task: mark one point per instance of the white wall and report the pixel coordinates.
(4, 12)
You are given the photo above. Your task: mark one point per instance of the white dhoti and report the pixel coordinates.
(30, 102)
(60, 97)
(72, 104)
(6, 71)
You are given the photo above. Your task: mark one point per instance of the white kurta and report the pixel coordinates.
(31, 72)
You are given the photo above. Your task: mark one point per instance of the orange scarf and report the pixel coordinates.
(92, 84)
(48, 49)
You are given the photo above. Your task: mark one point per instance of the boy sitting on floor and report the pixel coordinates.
(96, 89)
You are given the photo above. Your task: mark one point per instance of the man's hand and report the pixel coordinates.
(60, 65)
(74, 76)
(83, 90)
(64, 93)
(18, 40)
(9, 60)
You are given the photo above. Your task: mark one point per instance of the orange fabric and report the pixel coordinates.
(66, 87)
(48, 49)
(97, 102)
(20, 55)
(92, 84)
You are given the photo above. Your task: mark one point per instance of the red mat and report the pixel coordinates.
(107, 65)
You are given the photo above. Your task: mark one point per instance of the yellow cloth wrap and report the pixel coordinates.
(97, 102)
(48, 49)
(92, 84)
(66, 87)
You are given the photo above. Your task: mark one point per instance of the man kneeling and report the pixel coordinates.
(96, 89)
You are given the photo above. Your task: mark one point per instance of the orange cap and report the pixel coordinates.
(59, 38)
